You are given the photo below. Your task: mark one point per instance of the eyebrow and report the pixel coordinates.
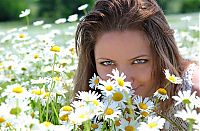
(138, 57)
(104, 59)
(129, 59)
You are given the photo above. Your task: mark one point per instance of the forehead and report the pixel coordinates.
(126, 44)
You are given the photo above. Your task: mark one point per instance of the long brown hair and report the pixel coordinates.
(121, 15)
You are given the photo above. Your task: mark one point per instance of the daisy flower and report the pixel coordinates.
(72, 18)
(94, 81)
(25, 13)
(111, 111)
(172, 78)
(81, 115)
(119, 80)
(197, 125)
(16, 91)
(185, 97)
(88, 96)
(161, 94)
(152, 124)
(60, 21)
(188, 115)
(64, 113)
(128, 125)
(119, 97)
(107, 87)
(144, 105)
(37, 23)
(46, 26)
(83, 7)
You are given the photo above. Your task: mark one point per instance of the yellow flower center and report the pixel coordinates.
(95, 102)
(47, 124)
(144, 114)
(8, 124)
(117, 96)
(67, 108)
(162, 91)
(72, 50)
(9, 67)
(17, 89)
(120, 81)
(15, 111)
(94, 126)
(64, 117)
(152, 125)
(82, 116)
(109, 88)
(36, 56)
(2, 120)
(96, 81)
(47, 94)
(172, 78)
(117, 123)
(37, 92)
(55, 48)
(21, 36)
(143, 106)
(186, 101)
(129, 128)
(57, 78)
(109, 111)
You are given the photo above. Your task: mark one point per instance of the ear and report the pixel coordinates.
(196, 81)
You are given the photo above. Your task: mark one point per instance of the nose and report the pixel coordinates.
(129, 74)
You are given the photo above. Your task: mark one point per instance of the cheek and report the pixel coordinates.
(144, 76)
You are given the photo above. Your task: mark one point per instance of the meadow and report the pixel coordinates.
(38, 62)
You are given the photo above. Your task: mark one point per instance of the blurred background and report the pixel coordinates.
(49, 10)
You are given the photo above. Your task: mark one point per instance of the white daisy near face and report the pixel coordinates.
(186, 98)
(128, 125)
(119, 80)
(188, 115)
(161, 94)
(145, 106)
(107, 87)
(119, 97)
(88, 96)
(81, 115)
(25, 13)
(152, 124)
(111, 111)
(94, 81)
(172, 78)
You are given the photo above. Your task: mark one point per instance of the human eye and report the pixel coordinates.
(106, 63)
(139, 61)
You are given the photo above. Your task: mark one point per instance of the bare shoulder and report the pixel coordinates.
(196, 81)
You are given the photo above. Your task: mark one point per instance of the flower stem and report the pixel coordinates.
(27, 21)
(171, 122)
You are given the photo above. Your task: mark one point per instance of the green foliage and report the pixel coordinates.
(190, 6)
(61, 8)
(10, 9)
(179, 6)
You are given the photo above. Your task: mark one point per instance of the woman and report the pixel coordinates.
(134, 37)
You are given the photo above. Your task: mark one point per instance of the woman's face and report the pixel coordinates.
(129, 52)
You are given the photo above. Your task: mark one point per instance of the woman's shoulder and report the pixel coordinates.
(195, 80)
(191, 77)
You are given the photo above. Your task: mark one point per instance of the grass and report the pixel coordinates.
(173, 19)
